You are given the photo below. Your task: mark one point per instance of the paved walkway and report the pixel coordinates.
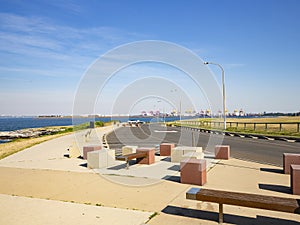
(23, 210)
(31, 180)
(162, 169)
(53, 154)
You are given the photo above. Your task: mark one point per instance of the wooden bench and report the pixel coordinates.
(128, 157)
(288, 205)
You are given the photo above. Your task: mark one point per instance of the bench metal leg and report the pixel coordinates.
(220, 213)
(127, 164)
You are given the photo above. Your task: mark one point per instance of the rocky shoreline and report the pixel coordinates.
(28, 133)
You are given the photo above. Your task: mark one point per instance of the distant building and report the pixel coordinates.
(241, 112)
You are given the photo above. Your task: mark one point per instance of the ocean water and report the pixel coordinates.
(12, 123)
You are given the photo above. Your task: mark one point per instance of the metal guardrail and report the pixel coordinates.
(242, 135)
(279, 126)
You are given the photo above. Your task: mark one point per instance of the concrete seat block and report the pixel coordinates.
(193, 155)
(178, 152)
(90, 148)
(165, 149)
(288, 160)
(222, 151)
(295, 179)
(101, 158)
(111, 157)
(127, 149)
(149, 159)
(193, 171)
(74, 151)
(193, 149)
(189, 149)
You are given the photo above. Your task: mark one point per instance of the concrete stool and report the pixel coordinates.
(101, 158)
(222, 152)
(90, 148)
(178, 152)
(295, 179)
(193, 155)
(165, 149)
(127, 149)
(193, 171)
(288, 160)
(74, 151)
(187, 149)
(149, 159)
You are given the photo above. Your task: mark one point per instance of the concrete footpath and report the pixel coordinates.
(23, 210)
(36, 190)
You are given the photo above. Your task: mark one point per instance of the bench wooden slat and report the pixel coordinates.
(247, 200)
(132, 156)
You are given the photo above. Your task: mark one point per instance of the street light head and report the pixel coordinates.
(206, 63)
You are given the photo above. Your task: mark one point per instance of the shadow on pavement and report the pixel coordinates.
(83, 165)
(167, 159)
(270, 170)
(276, 188)
(228, 218)
(172, 178)
(209, 157)
(174, 168)
(121, 166)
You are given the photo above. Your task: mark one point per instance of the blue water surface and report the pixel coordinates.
(16, 123)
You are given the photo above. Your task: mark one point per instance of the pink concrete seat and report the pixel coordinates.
(222, 152)
(193, 171)
(165, 149)
(288, 160)
(295, 179)
(149, 159)
(90, 148)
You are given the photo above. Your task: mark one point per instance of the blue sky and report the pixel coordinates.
(47, 46)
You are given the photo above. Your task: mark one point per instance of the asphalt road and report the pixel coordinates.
(258, 150)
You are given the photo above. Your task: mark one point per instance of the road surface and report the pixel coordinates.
(258, 150)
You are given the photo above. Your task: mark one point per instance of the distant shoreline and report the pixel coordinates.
(18, 123)
(167, 115)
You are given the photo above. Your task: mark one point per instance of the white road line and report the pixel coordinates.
(165, 131)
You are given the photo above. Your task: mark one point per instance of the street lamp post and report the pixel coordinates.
(158, 101)
(175, 90)
(223, 90)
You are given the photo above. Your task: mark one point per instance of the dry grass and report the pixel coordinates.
(280, 119)
(273, 125)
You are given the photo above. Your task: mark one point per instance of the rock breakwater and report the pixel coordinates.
(29, 133)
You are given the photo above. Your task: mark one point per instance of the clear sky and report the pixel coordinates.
(47, 46)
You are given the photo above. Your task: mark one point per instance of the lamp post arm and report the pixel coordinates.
(223, 90)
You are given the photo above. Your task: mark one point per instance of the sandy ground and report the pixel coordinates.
(49, 193)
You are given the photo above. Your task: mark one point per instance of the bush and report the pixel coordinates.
(99, 124)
